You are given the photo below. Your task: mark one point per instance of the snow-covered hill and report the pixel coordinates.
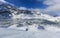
(26, 19)
(34, 19)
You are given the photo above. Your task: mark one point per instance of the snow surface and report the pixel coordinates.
(10, 33)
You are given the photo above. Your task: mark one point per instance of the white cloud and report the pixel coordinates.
(2, 0)
(50, 2)
(24, 8)
(54, 6)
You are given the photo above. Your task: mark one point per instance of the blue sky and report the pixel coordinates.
(28, 3)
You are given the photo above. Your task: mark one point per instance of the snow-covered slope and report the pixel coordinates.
(10, 33)
(32, 19)
(27, 19)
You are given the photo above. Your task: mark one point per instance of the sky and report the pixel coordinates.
(51, 7)
(54, 7)
(28, 3)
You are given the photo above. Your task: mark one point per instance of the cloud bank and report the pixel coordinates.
(54, 7)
